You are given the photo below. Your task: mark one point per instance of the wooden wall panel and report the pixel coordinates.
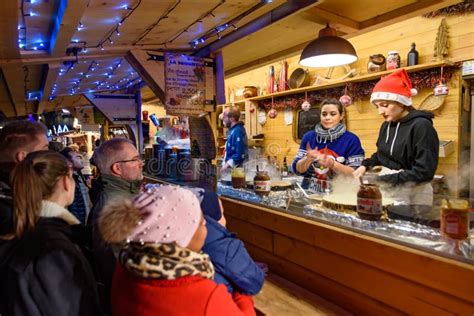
(363, 274)
(363, 119)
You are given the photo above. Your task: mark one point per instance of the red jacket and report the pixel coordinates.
(187, 296)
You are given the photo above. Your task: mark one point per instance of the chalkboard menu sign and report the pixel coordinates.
(304, 121)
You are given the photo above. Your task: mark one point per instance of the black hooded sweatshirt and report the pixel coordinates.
(410, 144)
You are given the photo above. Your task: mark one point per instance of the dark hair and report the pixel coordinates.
(33, 180)
(233, 112)
(336, 102)
(19, 135)
(66, 152)
(55, 146)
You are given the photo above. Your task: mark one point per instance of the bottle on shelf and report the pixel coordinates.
(271, 79)
(412, 58)
(284, 168)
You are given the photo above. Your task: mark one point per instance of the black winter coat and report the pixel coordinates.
(45, 273)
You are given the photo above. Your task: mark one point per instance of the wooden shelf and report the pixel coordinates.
(361, 78)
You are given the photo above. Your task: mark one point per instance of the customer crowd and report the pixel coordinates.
(76, 244)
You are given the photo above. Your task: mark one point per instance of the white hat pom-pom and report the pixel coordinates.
(413, 92)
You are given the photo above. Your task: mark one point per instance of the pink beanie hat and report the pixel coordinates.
(394, 87)
(172, 214)
(163, 214)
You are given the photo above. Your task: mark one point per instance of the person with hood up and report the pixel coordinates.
(408, 145)
(42, 270)
(161, 269)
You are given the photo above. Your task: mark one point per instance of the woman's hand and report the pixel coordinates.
(326, 161)
(319, 157)
(313, 154)
(359, 172)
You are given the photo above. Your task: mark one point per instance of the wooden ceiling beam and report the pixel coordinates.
(47, 60)
(407, 12)
(153, 74)
(9, 29)
(14, 78)
(52, 73)
(65, 25)
(340, 23)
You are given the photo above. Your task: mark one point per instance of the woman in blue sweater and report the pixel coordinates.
(327, 150)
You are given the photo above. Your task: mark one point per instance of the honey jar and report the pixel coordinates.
(369, 202)
(455, 218)
(238, 178)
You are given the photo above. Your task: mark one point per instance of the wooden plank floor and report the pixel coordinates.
(282, 297)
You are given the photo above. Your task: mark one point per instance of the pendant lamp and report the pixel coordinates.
(328, 50)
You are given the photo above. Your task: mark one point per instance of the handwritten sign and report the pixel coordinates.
(185, 84)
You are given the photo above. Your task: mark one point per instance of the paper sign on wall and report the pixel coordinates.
(185, 84)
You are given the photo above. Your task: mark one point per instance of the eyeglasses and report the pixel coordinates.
(130, 160)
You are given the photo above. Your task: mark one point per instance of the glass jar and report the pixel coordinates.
(455, 218)
(238, 178)
(393, 60)
(369, 202)
(261, 183)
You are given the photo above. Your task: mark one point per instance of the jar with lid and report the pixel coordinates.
(369, 202)
(261, 183)
(455, 218)
(393, 60)
(238, 178)
(376, 63)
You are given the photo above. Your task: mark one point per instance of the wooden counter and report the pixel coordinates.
(362, 274)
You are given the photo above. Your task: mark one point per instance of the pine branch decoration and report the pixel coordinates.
(442, 40)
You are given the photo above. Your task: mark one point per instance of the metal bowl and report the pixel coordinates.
(299, 78)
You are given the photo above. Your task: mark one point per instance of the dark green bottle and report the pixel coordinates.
(412, 58)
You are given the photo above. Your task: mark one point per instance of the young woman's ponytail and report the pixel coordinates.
(34, 180)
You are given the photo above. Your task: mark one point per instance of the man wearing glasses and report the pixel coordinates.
(121, 176)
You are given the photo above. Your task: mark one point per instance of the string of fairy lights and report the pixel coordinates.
(125, 11)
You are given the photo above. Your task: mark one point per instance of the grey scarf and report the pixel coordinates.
(324, 135)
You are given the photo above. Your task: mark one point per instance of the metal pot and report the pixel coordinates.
(299, 78)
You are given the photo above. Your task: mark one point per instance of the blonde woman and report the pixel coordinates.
(43, 271)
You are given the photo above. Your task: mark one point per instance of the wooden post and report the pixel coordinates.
(138, 99)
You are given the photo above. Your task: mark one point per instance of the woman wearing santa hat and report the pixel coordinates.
(408, 145)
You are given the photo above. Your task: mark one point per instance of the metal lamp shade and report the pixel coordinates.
(328, 51)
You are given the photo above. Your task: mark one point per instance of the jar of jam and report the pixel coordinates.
(393, 60)
(455, 218)
(369, 202)
(238, 178)
(261, 183)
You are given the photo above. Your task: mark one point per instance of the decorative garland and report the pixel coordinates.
(422, 79)
(465, 7)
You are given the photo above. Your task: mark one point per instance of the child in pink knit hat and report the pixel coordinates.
(161, 269)
(408, 145)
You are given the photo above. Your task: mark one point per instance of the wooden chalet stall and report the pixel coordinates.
(55, 53)
(359, 271)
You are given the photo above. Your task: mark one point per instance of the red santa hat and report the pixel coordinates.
(394, 87)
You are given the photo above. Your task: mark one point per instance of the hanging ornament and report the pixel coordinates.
(251, 108)
(345, 100)
(273, 112)
(441, 88)
(306, 105)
